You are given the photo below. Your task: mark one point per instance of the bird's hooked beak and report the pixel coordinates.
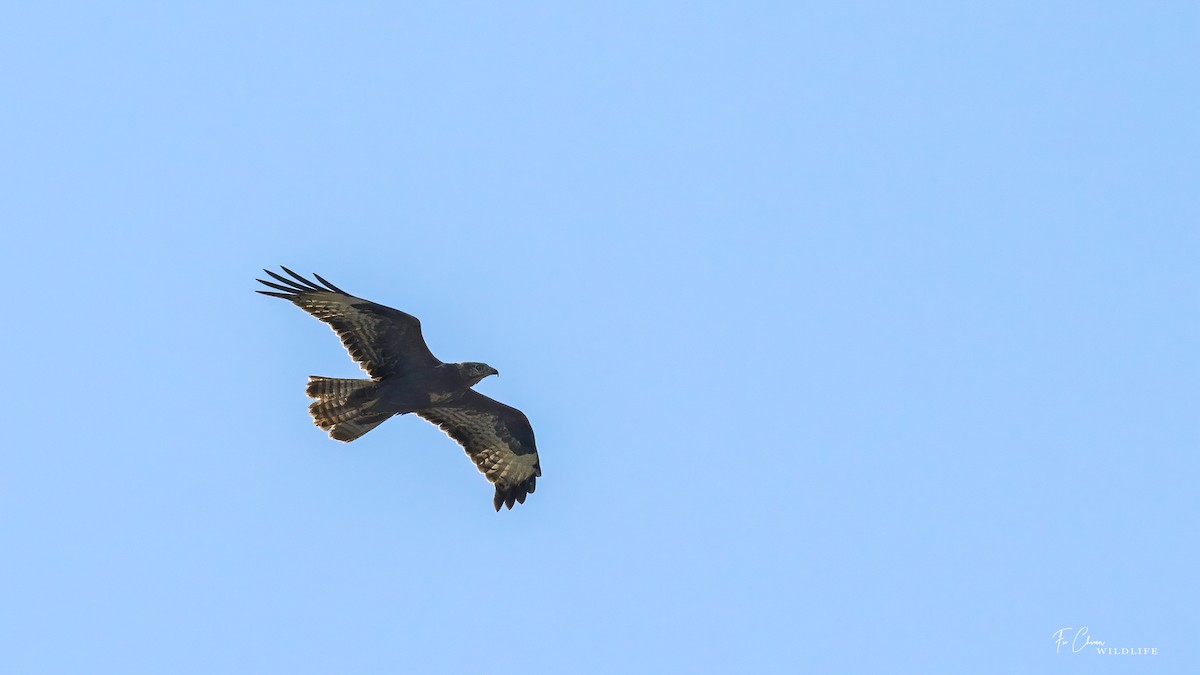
(495, 372)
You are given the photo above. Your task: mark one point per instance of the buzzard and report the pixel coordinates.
(407, 378)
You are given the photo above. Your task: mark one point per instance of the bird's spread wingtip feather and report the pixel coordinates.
(330, 286)
(285, 289)
(291, 285)
(310, 285)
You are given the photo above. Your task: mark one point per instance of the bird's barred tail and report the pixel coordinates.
(341, 404)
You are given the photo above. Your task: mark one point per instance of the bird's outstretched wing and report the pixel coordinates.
(497, 438)
(384, 341)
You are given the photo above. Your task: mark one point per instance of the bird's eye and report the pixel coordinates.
(478, 368)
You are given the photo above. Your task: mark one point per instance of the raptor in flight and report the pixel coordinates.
(407, 378)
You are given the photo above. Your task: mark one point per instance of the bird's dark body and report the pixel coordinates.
(407, 378)
(420, 389)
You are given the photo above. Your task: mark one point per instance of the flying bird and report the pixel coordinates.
(407, 378)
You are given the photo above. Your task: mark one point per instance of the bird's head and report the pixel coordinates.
(473, 371)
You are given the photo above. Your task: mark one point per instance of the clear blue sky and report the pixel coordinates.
(857, 337)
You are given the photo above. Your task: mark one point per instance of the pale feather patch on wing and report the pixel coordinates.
(382, 340)
(491, 448)
(498, 454)
(361, 333)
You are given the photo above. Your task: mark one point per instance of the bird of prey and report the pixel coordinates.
(407, 378)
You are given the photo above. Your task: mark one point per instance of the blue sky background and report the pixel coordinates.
(857, 337)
